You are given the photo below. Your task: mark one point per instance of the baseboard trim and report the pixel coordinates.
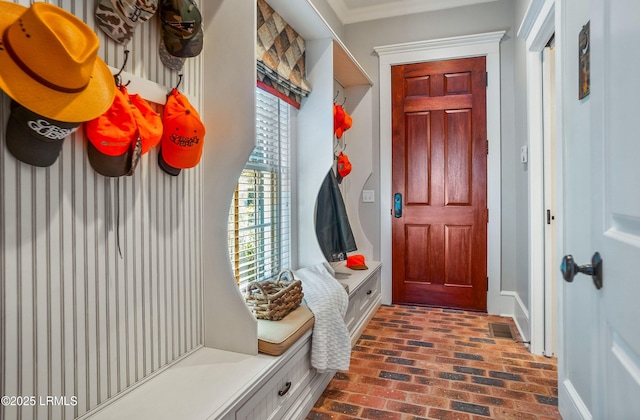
(519, 313)
(571, 406)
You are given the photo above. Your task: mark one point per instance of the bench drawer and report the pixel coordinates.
(281, 390)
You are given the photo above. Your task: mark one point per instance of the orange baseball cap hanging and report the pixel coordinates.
(348, 122)
(338, 117)
(182, 136)
(148, 121)
(343, 167)
(342, 121)
(114, 148)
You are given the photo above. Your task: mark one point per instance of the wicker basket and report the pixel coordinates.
(273, 300)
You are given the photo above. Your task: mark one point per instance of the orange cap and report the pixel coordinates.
(338, 118)
(149, 122)
(341, 120)
(344, 166)
(113, 132)
(183, 134)
(348, 121)
(114, 147)
(356, 262)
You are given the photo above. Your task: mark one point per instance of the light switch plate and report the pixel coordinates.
(524, 154)
(368, 196)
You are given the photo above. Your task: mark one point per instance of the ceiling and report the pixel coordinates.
(352, 11)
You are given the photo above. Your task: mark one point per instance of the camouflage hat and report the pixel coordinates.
(171, 61)
(119, 18)
(182, 30)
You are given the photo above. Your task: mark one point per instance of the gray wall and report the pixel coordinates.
(516, 243)
(362, 37)
(329, 16)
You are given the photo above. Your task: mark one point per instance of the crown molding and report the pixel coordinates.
(464, 40)
(394, 8)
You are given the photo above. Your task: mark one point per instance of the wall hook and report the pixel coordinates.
(117, 77)
(340, 145)
(336, 97)
(179, 80)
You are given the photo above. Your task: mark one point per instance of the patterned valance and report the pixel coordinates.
(280, 57)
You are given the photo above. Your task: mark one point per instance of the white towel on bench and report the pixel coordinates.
(328, 300)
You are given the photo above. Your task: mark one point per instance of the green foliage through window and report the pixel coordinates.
(260, 214)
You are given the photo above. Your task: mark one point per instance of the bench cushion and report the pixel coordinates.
(275, 337)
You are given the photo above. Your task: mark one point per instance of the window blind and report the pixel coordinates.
(280, 57)
(260, 214)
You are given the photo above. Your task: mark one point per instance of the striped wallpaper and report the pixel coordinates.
(80, 322)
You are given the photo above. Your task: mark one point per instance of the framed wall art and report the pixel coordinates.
(584, 49)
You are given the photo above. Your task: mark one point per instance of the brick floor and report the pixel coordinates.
(415, 363)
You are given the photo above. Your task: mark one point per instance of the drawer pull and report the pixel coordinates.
(284, 390)
(369, 292)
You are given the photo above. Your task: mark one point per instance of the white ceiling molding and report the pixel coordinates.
(350, 11)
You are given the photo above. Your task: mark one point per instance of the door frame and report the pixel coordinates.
(551, 244)
(536, 29)
(484, 44)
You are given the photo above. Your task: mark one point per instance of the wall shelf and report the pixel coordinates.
(346, 70)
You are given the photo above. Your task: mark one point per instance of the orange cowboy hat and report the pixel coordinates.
(49, 63)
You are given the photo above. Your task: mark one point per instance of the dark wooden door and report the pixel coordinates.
(440, 168)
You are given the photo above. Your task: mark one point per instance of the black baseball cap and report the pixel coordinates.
(35, 139)
(170, 170)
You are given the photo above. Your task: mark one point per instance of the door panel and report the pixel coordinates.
(612, 216)
(439, 167)
(458, 255)
(419, 158)
(418, 267)
(617, 234)
(457, 83)
(458, 148)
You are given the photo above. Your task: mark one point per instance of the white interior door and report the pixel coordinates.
(616, 198)
(610, 178)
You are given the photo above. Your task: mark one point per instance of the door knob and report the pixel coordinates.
(569, 269)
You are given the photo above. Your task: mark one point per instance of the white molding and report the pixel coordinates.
(389, 9)
(340, 8)
(538, 26)
(536, 199)
(440, 43)
(485, 44)
(530, 17)
(572, 407)
(519, 313)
